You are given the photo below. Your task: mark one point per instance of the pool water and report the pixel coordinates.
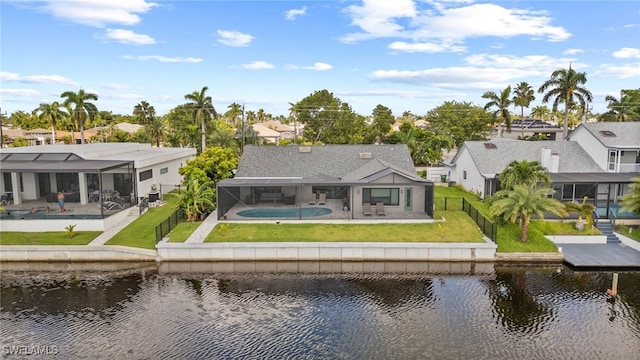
(284, 213)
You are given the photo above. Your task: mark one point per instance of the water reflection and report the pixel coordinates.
(458, 311)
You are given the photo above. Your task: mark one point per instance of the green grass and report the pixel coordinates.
(182, 232)
(47, 238)
(624, 230)
(458, 228)
(142, 231)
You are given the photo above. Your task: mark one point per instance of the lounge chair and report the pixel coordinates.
(322, 199)
(312, 199)
(110, 205)
(380, 209)
(366, 209)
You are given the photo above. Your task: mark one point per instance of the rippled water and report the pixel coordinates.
(459, 313)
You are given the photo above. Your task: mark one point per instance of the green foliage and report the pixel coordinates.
(461, 121)
(501, 102)
(223, 228)
(631, 201)
(521, 203)
(19, 142)
(82, 108)
(70, 231)
(197, 199)
(585, 209)
(211, 166)
(523, 172)
(627, 108)
(203, 111)
(47, 238)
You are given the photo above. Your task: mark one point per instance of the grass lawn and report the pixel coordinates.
(624, 230)
(182, 232)
(47, 238)
(142, 231)
(465, 231)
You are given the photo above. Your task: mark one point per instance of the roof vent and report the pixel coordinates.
(607, 133)
(490, 145)
(304, 149)
(365, 155)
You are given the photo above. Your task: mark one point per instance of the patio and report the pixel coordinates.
(41, 209)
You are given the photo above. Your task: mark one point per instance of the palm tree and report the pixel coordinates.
(202, 111)
(198, 199)
(565, 87)
(631, 201)
(541, 112)
(625, 109)
(53, 113)
(144, 112)
(81, 107)
(235, 110)
(522, 202)
(156, 130)
(523, 172)
(502, 103)
(585, 210)
(224, 139)
(523, 97)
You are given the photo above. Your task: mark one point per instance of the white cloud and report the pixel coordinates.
(98, 13)
(123, 96)
(618, 71)
(318, 66)
(572, 51)
(37, 79)
(116, 86)
(627, 53)
(163, 59)
(20, 92)
(540, 63)
(128, 37)
(426, 47)
(257, 65)
(450, 21)
(293, 13)
(234, 38)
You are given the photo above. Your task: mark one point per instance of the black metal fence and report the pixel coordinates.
(169, 224)
(488, 228)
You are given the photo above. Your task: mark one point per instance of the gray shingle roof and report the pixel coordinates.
(334, 161)
(573, 158)
(627, 134)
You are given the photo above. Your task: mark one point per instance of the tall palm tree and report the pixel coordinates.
(202, 111)
(235, 110)
(631, 201)
(523, 96)
(155, 129)
(53, 113)
(82, 106)
(144, 112)
(502, 103)
(627, 108)
(522, 202)
(541, 112)
(565, 87)
(523, 172)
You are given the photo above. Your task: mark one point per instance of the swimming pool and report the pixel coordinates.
(284, 213)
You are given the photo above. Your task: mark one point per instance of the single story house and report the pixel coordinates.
(89, 172)
(349, 177)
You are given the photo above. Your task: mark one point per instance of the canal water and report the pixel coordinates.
(316, 311)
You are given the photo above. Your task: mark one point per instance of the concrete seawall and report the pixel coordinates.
(75, 253)
(338, 251)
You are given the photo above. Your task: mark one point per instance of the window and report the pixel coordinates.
(164, 171)
(8, 185)
(464, 174)
(388, 196)
(144, 175)
(68, 182)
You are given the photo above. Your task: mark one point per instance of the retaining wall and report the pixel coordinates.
(74, 253)
(338, 251)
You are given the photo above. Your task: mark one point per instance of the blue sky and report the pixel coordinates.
(406, 55)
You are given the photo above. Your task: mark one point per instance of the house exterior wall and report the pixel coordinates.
(30, 186)
(171, 177)
(475, 181)
(598, 152)
(418, 193)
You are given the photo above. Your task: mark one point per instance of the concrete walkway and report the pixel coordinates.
(204, 229)
(133, 214)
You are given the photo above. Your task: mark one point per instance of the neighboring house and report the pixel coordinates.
(347, 175)
(614, 146)
(577, 168)
(265, 134)
(131, 170)
(533, 127)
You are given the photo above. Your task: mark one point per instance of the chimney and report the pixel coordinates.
(545, 158)
(555, 163)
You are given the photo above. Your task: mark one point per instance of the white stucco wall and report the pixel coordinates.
(474, 181)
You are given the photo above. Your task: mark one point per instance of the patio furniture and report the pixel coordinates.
(312, 199)
(380, 209)
(110, 205)
(322, 199)
(366, 209)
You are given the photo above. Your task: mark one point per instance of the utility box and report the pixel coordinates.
(443, 178)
